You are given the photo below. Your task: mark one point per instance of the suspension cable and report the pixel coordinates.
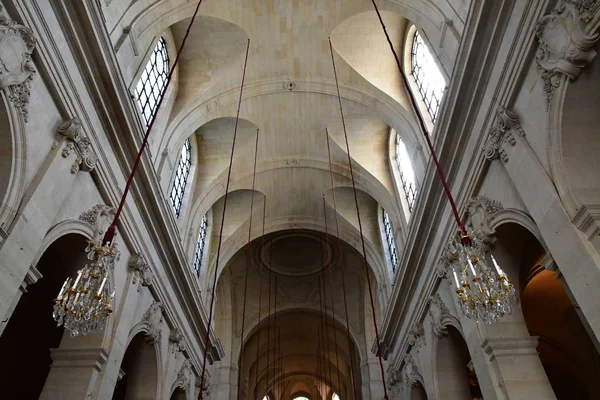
(342, 266)
(248, 260)
(260, 274)
(413, 102)
(362, 238)
(212, 298)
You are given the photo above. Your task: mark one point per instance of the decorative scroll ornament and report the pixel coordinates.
(502, 129)
(564, 45)
(99, 217)
(71, 132)
(17, 71)
(416, 336)
(484, 293)
(395, 381)
(153, 318)
(183, 376)
(438, 312)
(141, 270)
(481, 212)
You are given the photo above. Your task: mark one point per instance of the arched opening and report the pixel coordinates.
(31, 332)
(12, 164)
(418, 392)
(456, 379)
(178, 394)
(139, 371)
(567, 354)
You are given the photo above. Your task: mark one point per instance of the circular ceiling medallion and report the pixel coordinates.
(295, 253)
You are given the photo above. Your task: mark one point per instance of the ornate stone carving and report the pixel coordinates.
(205, 386)
(504, 124)
(17, 71)
(153, 318)
(183, 376)
(141, 270)
(564, 45)
(176, 341)
(449, 257)
(290, 85)
(395, 381)
(481, 211)
(100, 217)
(438, 311)
(71, 132)
(413, 376)
(416, 336)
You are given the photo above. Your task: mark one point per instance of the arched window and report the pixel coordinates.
(181, 176)
(200, 244)
(152, 83)
(427, 75)
(389, 237)
(407, 174)
(335, 397)
(300, 398)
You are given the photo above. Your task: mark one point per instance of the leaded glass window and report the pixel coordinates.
(152, 83)
(181, 176)
(407, 174)
(389, 237)
(200, 244)
(427, 75)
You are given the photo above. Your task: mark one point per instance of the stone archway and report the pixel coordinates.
(453, 366)
(139, 371)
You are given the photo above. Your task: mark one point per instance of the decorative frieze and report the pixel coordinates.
(17, 70)
(505, 123)
(438, 312)
(71, 132)
(152, 319)
(141, 270)
(565, 46)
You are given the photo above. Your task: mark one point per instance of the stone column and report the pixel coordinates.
(70, 154)
(576, 257)
(74, 373)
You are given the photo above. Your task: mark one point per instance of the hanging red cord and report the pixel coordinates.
(212, 298)
(339, 245)
(337, 357)
(110, 232)
(362, 238)
(413, 102)
(260, 274)
(248, 260)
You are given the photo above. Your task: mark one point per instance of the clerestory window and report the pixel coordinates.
(389, 237)
(427, 75)
(181, 177)
(407, 173)
(152, 83)
(200, 244)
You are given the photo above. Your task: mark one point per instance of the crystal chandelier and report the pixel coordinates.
(484, 293)
(84, 305)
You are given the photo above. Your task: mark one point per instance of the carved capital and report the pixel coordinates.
(176, 341)
(141, 270)
(505, 124)
(152, 319)
(71, 132)
(17, 71)
(565, 46)
(438, 312)
(100, 217)
(416, 336)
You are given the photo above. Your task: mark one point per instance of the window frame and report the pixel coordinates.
(181, 177)
(410, 188)
(200, 244)
(388, 230)
(152, 82)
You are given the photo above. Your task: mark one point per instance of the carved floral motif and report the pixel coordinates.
(177, 341)
(153, 318)
(438, 312)
(416, 336)
(141, 270)
(17, 70)
(99, 217)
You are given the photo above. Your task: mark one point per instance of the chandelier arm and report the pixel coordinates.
(110, 232)
(362, 238)
(413, 102)
(214, 283)
(339, 245)
(248, 259)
